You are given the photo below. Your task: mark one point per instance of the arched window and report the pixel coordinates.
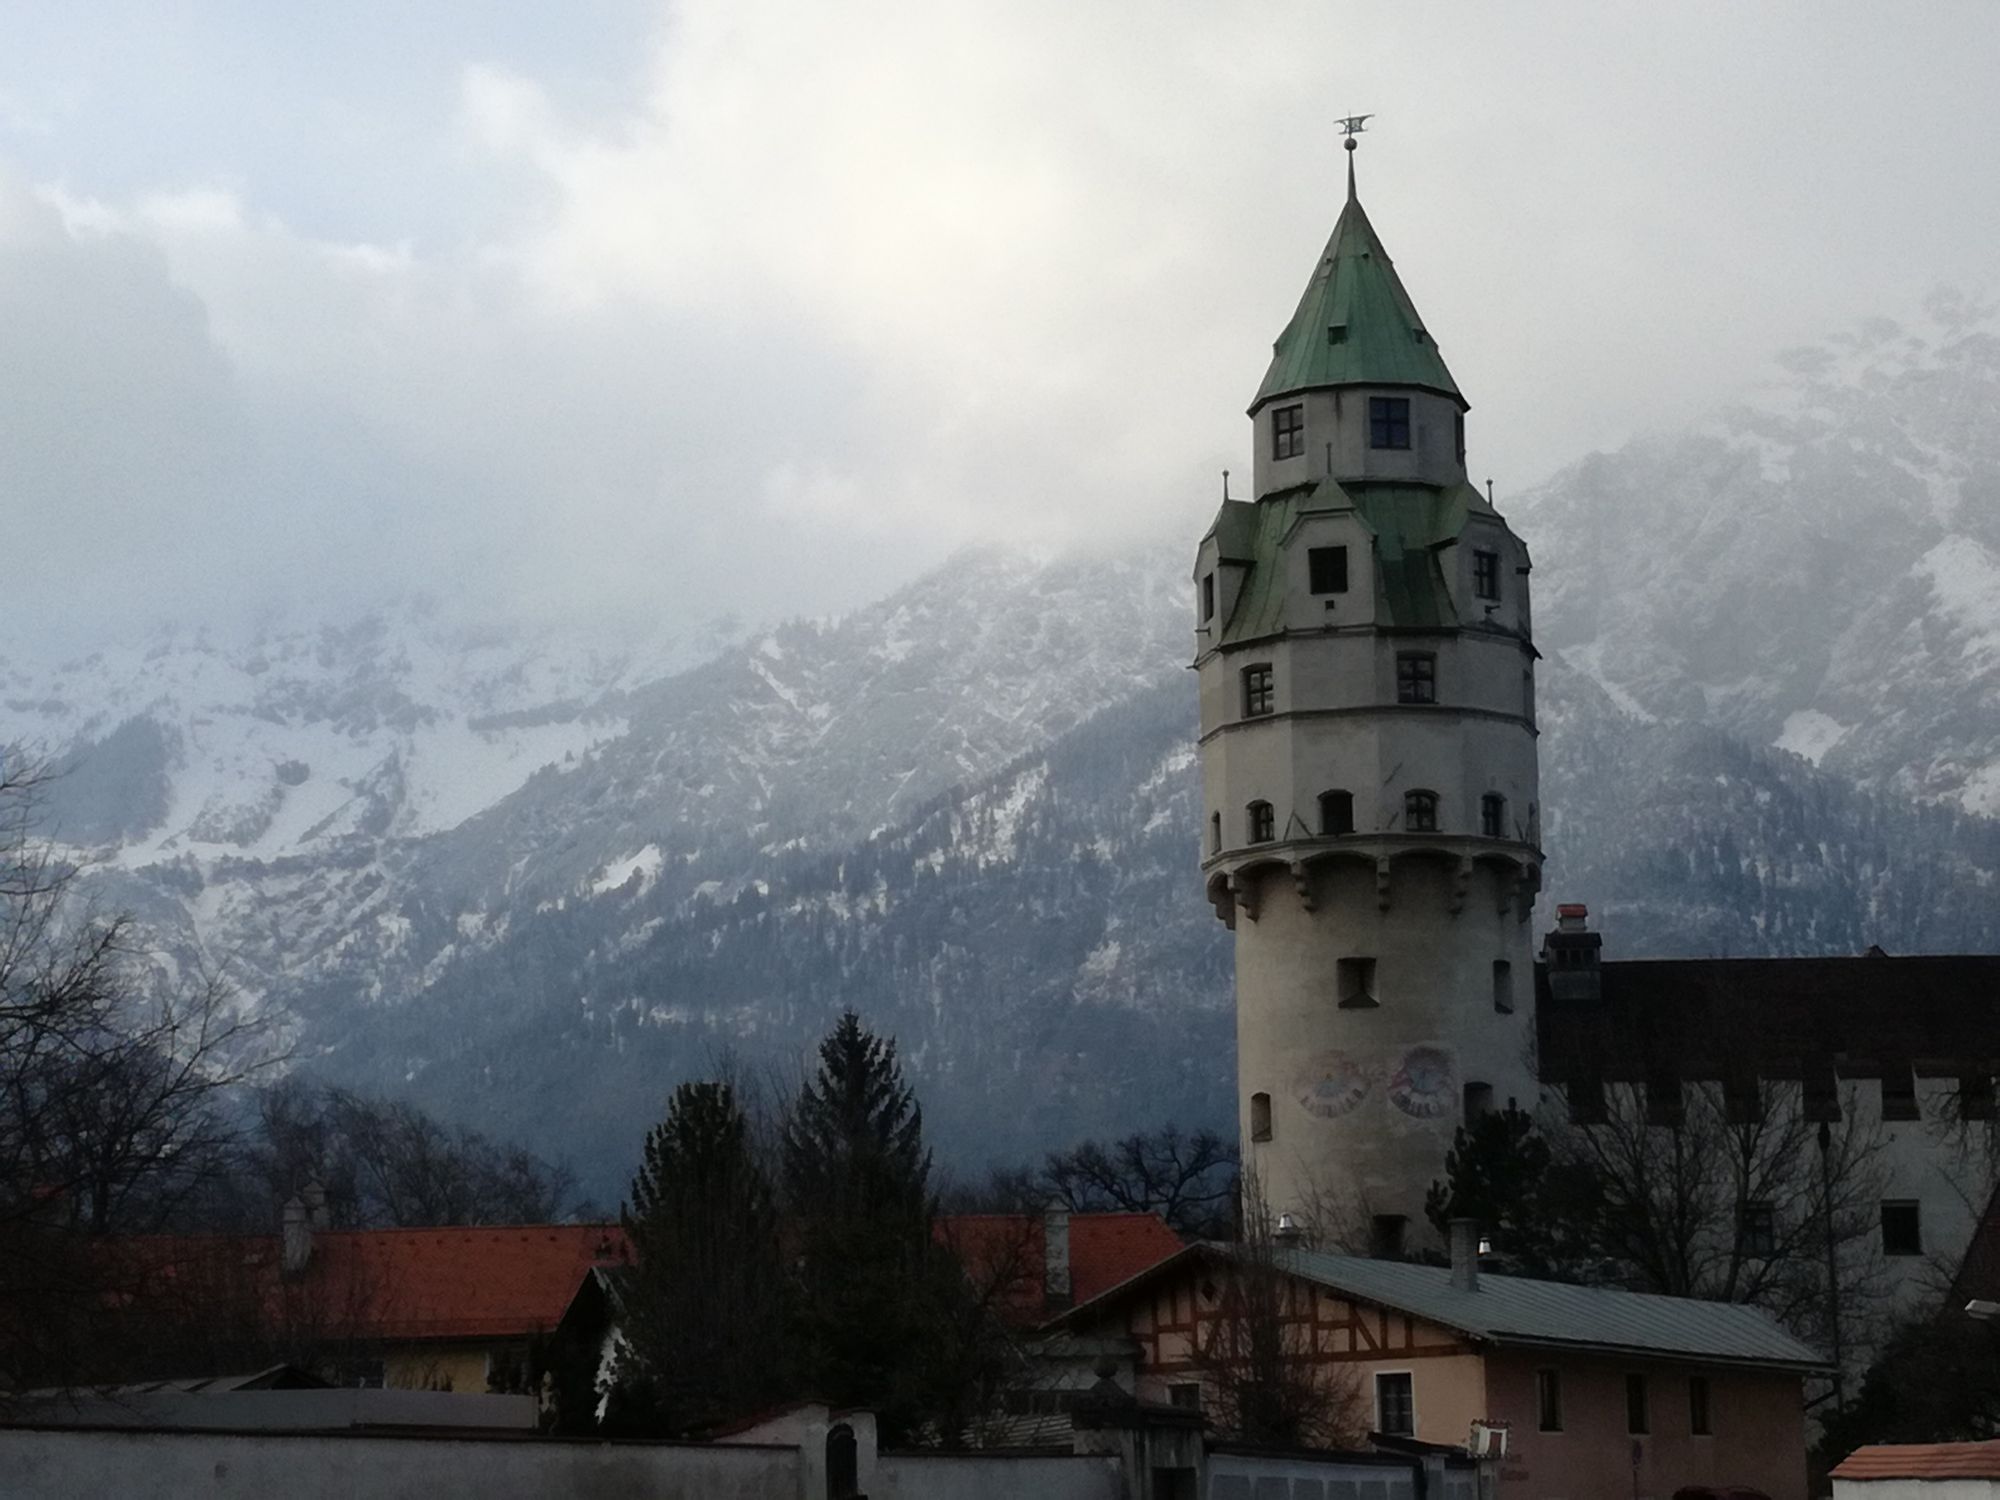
(1260, 1117)
(1262, 821)
(1215, 833)
(1493, 816)
(1420, 812)
(1336, 812)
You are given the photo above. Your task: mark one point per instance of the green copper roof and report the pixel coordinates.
(1355, 325)
(1410, 523)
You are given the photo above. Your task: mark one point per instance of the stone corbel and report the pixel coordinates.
(1245, 892)
(1302, 883)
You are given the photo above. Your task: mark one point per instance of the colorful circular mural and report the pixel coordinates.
(1333, 1084)
(1423, 1084)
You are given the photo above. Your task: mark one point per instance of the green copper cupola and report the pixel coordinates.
(1356, 388)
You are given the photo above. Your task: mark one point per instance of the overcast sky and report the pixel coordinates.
(616, 308)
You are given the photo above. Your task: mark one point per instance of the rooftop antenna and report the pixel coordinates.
(1489, 492)
(1225, 484)
(1351, 126)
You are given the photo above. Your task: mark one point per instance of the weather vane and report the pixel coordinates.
(1351, 126)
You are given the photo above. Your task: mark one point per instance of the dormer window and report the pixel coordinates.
(1288, 431)
(1486, 574)
(1326, 569)
(1336, 333)
(1389, 421)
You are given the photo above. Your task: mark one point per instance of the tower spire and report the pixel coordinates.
(1351, 126)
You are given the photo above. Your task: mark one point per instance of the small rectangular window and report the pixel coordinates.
(1821, 1091)
(1486, 574)
(1258, 695)
(1493, 816)
(1260, 1117)
(1388, 421)
(1288, 432)
(1757, 1229)
(1327, 567)
(1186, 1394)
(1638, 1421)
(1478, 1101)
(1356, 980)
(1549, 1400)
(1215, 833)
(1416, 677)
(1207, 597)
(1698, 1417)
(1528, 696)
(1420, 812)
(1503, 986)
(1336, 814)
(1902, 1229)
(1395, 1405)
(1899, 1093)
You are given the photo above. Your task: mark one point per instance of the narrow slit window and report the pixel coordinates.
(1503, 986)
(1336, 813)
(1215, 833)
(1700, 1422)
(1549, 1400)
(1486, 575)
(1493, 816)
(1207, 597)
(1638, 1420)
(1260, 1117)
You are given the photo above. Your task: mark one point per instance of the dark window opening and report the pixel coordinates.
(1388, 421)
(1458, 433)
(1416, 677)
(1902, 1229)
(1757, 1229)
(1528, 696)
(1549, 1400)
(1478, 1101)
(1821, 1094)
(1698, 1418)
(1215, 833)
(1262, 822)
(1493, 816)
(1899, 1093)
(1326, 568)
(1356, 980)
(1395, 1405)
(1336, 813)
(1664, 1104)
(1288, 432)
(1503, 986)
(1420, 812)
(1207, 597)
(1258, 692)
(1386, 1234)
(843, 1464)
(1260, 1117)
(1186, 1394)
(1336, 333)
(1638, 1420)
(1486, 574)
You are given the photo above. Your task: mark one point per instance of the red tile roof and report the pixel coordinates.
(1922, 1461)
(487, 1281)
(1104, 1249)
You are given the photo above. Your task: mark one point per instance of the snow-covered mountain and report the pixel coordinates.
(536, 882)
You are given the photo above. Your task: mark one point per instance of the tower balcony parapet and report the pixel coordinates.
(1235, 878)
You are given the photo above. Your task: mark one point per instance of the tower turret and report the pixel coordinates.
(1366, 675)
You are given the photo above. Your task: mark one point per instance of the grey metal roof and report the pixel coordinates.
(1515, 1310)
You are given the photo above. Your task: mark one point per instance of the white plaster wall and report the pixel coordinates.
(1364, 1101)
(996, 1475)
(50, 1464)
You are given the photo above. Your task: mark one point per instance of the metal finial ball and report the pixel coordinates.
(1352, 143)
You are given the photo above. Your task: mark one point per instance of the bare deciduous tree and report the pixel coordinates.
(1187, 1178)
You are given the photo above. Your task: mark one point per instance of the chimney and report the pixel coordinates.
(1055, 1258)
(297, 1237)
(1288, 1233)
(1465, 1255)
(317, 1216)
(1571, 955)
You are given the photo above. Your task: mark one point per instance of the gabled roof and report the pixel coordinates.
(1355, 325)
(1922, 1461)
(1104, 1250)
(1515, 1311)
(485, 1281)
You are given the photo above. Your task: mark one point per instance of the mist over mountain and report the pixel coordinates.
(537, 882)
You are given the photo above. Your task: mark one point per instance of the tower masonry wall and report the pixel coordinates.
(1364, 1095)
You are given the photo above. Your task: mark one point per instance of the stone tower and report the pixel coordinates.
(1368, 763)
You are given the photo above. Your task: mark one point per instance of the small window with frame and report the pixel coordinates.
(1416, 677)
(1486, 575)
(1389, 422)
(1336, 814)
(1700, 1421)
(1261, 821)
(1259, 692)
(1326, 569)
(1288, 431)
(1493, 816)
(1420, 812)
(1757, 1229)
(1395, 1404)
(1549, 1400)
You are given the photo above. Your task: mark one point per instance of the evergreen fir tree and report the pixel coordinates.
(705, 1305)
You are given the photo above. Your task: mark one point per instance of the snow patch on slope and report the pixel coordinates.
(1811, 734)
